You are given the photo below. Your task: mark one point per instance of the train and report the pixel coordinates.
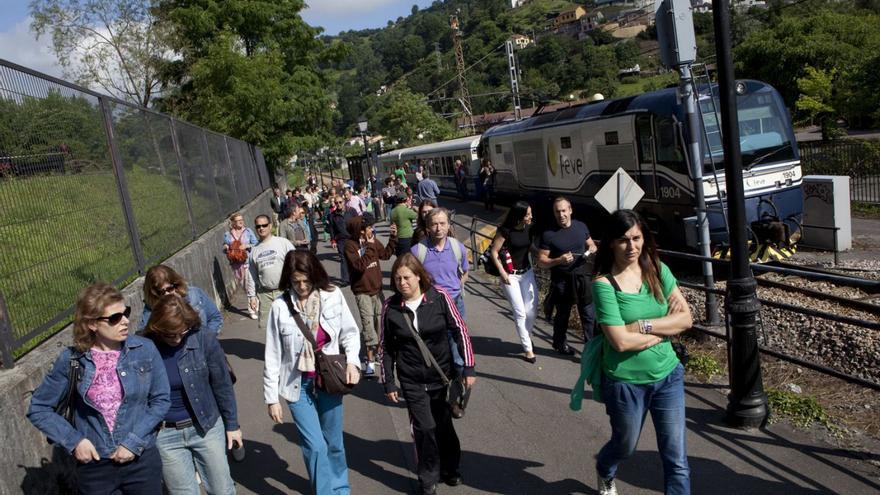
(574, 151)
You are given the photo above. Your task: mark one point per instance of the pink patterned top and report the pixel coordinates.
(105, 392)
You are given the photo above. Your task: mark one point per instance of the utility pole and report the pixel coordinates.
(747, 402)
(514, 80)
(678, 50)
(465, 97)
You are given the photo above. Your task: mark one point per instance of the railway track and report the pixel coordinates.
(869, 304)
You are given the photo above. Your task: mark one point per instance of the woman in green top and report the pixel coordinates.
(638, 305)
(403, 215)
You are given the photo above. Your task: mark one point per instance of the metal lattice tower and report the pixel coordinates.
(465, 97)
(514, 80)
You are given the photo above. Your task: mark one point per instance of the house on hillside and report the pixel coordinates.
(518, 3)
(568, 16)
(521, 41)
(588, 23)
(702, 6)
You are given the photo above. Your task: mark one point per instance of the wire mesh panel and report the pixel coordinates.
(194, 162)
(260, 164)
(146, 151)
(61, 218)
(77, 207)
(219, 163)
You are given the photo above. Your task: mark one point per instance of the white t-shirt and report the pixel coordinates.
(265, 263)
(413, 306)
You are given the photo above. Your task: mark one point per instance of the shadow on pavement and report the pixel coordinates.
(369, 457)
(262, 463)
(244, 349)
(496, 474)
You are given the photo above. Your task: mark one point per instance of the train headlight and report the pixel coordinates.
(740, 88)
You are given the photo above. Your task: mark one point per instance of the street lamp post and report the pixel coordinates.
(362, 126)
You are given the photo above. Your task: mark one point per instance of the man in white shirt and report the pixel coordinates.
(265, 263)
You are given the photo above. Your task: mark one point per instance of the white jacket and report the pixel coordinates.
(284, 344)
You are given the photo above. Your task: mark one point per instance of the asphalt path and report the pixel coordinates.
(519, 435)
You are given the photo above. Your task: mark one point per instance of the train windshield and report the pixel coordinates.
(763, 137)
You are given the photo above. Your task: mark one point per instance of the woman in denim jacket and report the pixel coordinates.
(202, 421)
(161, 281)
(290, 366)
(119, 401)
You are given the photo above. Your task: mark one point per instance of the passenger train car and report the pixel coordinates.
(574, 151)
(439, 160)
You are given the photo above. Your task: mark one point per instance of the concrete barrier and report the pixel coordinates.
(28, 464)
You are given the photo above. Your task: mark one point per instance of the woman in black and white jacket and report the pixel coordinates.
(289, 370)
(432, 314)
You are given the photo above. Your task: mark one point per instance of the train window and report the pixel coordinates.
(498, 149)
(643, 127)
(565, 142)
(611, 138)
(668, 148)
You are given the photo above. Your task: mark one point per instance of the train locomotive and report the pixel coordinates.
(574, 152)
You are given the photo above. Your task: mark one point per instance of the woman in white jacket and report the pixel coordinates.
(289, 370)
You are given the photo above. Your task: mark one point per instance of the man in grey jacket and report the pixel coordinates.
(265, 263)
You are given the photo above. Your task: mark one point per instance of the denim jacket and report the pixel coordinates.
(211, 317)
(146, 400)
(206, 381)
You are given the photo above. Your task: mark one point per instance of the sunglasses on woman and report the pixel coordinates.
(168, 289)
(115, 318)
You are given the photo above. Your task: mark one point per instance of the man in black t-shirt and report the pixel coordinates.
(566, 252)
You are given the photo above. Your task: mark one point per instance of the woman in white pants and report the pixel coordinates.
(510, 253)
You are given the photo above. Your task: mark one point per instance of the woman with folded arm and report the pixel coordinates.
(638, 306)
(118, 402)
(202, 422)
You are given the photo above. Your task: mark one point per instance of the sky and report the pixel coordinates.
(18, 43)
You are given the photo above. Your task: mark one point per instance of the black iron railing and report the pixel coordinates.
(860, 160)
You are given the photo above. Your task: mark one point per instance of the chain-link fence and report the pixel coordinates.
(93, 188)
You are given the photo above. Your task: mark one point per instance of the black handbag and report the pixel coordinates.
(488, 264)
(331, 368)
(67, 405)
(457, 394)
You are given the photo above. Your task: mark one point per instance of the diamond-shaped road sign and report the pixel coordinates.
(620, 192)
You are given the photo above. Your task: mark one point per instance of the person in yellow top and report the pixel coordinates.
(638, 306)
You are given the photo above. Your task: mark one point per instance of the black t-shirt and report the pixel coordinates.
(561, 241)
(517, 243)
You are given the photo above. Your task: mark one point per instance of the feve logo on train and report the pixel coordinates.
(562, 165)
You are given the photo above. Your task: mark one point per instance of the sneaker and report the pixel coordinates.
(370, 370)
(252, 315)
(453, 479)
(605, 487)
(565, 350)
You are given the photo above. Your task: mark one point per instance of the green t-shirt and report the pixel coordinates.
(401, 174)
(403, 217)
(618, 309)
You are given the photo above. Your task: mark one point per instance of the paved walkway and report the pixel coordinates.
(519, 436)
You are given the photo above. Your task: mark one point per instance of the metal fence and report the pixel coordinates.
(860, 160)
(93, 188)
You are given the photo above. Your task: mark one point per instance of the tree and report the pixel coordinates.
(814, 100)
(104, 44)
(404, 115)
(250, 69)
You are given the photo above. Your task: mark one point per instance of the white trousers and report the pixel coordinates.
(522, 293)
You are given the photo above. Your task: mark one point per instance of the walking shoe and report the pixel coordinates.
(252, 315)
(429, 490)
(565, 350)
(453, 479)
(370, 370)
(605, 487)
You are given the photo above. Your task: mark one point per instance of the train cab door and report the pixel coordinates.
(646, 175)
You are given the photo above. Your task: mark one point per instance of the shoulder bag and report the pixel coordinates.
(331, 368)
(457, 395)
(66, 406)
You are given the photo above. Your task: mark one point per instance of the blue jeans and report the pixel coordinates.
(181, 449)
(318, 418)
(343, 264)
(142, 476)
(626, 405)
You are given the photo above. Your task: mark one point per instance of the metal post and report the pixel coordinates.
(7, 338)
(619, 191)
(183, 182)
(122, 187)
(688, 90)
(747, 403)
(514, 80)
(365, 165)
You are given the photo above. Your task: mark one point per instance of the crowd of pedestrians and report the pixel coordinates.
(162, 400)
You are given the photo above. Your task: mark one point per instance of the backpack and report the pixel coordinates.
(235, 253)
(422, 252)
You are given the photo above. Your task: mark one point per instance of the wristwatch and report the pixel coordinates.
(645, 326)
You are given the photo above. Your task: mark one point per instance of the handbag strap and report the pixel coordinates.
(613, 282)
(303, 328)
(426, 353)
